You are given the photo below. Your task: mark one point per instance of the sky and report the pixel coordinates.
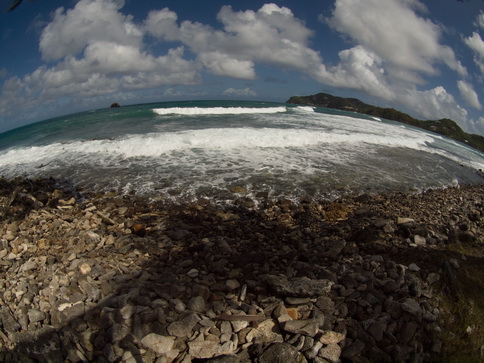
(422, 57)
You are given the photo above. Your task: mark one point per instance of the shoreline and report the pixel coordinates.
(105, 277)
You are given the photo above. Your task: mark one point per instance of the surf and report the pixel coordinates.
(198, 111)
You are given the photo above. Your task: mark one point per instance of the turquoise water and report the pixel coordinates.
(186, 150)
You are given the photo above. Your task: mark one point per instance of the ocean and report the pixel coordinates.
(223, 150)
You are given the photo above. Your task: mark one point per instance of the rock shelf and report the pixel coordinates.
(109, 278)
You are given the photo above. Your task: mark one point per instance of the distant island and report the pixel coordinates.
(444, 127)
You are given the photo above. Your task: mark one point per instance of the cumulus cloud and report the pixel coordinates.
(246, 92)
(469, 94)
(393, 30)
(271, 35)
(94, 50)
(435, 103)
(476, 43)
(359, 69)
(89, 22)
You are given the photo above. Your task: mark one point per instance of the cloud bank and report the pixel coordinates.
(95, 50)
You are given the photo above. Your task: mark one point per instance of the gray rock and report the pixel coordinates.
(331, 337)
(42, 344)
(232, 284)
(312, 351)
(419, 240)
(298, 286)
(325, 304)
(178, 235)
(183, 327)
(432, 278)
(196, 303)
(209, 349)
(281, 353)
(305, 327)
(412, 307)
(331, 352)
(8, 321)
(377, 330)
(36, 315)
(353, 350)
(31, 264)
(158, 343)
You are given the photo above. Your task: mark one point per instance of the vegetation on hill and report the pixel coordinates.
(444, 127)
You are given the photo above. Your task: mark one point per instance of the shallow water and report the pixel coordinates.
(195, 149)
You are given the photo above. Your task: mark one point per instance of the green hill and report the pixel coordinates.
(444, 127)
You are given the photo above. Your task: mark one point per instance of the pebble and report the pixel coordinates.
(197, 281)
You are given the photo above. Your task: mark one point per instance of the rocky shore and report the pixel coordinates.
(108, 278)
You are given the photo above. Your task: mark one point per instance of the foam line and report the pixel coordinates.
(196, 111)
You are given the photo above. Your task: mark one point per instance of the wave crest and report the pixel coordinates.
(196, 111)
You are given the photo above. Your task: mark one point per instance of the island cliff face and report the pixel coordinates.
(444, 126)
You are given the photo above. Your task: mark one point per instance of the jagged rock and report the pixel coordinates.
(281, 353)
(412, 307)
(207, 281)
(331, 352)
(331, 337)
(183, 327)
(306, 327)
(298, 286)
(8, 321)
(209, 349)
(158, 343)
(42, 344)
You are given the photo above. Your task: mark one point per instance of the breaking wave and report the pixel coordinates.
(197, 111)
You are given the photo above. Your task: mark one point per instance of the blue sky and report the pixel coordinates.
(425, 58)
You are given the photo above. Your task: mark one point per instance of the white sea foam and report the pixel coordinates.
(239, 139)
(196, 111)
(304, 108)
(299, 150)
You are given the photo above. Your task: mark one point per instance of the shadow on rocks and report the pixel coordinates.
(111, 278)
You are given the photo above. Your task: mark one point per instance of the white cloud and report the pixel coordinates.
(272, 35)
(480, 20)
(393, 30)
(469, 94)
(222, 64)
(94, 50)
(246, 92)
(476, 43)
(435, 103)
(359, 69)
(90, 21)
